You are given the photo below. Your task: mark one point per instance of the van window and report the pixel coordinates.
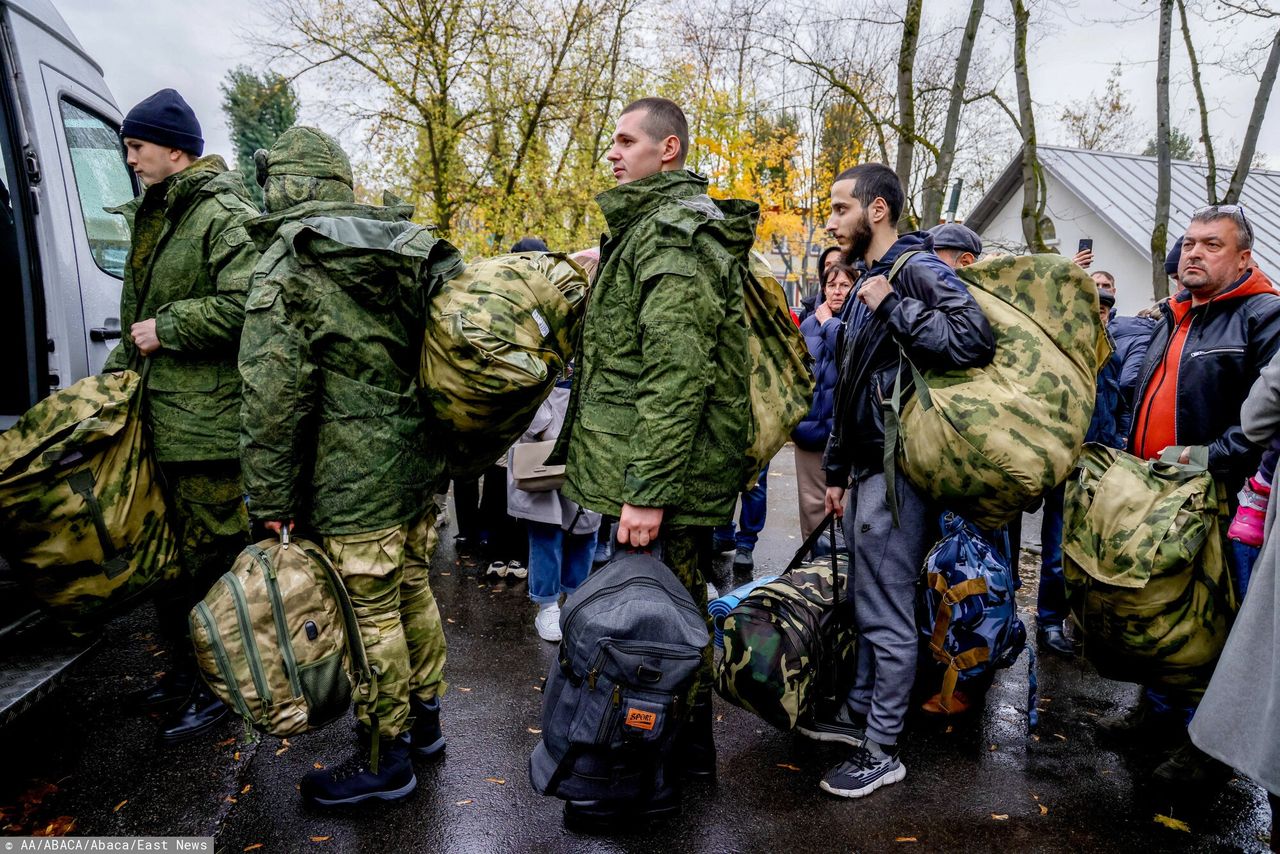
(102, 180)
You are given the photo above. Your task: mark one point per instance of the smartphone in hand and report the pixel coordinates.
(1086, 244)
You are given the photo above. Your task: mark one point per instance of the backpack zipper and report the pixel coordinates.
(205, 616)
(247, 638)
(282, 625)
(579, 606)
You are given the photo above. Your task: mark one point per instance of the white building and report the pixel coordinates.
(1111, 199)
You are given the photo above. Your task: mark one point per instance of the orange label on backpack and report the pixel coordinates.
(641, 720)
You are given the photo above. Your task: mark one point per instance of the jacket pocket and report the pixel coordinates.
(611, 418)
(173, 375)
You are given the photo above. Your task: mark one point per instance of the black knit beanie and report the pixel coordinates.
(165, 119)
(1171, 260)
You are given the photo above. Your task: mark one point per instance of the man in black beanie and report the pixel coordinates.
(182, 306)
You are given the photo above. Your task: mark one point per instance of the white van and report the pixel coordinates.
(61, 264)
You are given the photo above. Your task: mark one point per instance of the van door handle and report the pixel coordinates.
(103, 333)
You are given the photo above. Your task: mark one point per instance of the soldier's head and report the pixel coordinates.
(1216, 251)
(652, 136)
(304, 165)
(161, 137)
(866, 202)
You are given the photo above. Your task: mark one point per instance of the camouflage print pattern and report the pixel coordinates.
(773, 662)
(385, 573)
(781, 377)
(189, 266)
(996, 438)
(207, 511)
(271, 639)
(1144, 561)
(333, 430)
(498, 337)
(85, 439)
(687, 551)
(660, 414)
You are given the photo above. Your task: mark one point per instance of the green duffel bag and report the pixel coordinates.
(276, 638)
(788, 642)
(498, 337)
(1143, 555)
(986, 442)
(82, 512)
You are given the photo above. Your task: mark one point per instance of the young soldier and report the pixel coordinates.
(334, 437)
(182, 305)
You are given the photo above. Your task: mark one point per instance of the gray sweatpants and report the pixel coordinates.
(885, 566)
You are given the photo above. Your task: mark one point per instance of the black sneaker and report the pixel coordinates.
(425, 735)
(866, 770)
(354, 781)
(1190, 766)
(844, 726)
(742, 560)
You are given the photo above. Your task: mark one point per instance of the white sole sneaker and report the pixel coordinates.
(517, 570)
(886, 779)
(497, 569)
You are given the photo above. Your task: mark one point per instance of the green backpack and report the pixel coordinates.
(781, 380)
(82, 514)
(276, 638)
(988, 441)
(498, 336)
(1143, 557)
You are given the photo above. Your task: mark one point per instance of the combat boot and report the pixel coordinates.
(356, 779)
(201, 713)
(426, 736)
(695, 745)
(1191, 767)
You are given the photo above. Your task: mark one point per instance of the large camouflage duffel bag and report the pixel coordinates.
(82, 512)
(276, 638)
(986, 442)
(787, 643)
(498, 336)
(1143, 556)
(781, 378)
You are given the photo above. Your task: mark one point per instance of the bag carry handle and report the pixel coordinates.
(828, 524)
(1169, 467)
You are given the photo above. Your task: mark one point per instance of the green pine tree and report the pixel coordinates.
(258, 110)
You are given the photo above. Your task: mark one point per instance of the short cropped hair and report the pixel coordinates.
(1235, 213)
(663, 118)
(876, 180)
(1111, 280)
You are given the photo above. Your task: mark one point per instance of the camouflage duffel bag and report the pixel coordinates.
(498, 336)
(781, 376)
(787, 642)
(1143, 556)
(82, 514)
(276, 638)
(986, 442)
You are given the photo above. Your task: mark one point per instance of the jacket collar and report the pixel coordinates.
(1252, 283)
(175, 194)
(626, 203)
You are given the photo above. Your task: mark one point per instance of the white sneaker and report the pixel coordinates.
(497, 569)
(517, 570)
(547, 622)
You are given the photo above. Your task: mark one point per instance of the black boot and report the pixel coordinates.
(170, 691)
(1054, 639)
(696, 746)
(355, 780)
(426, 736)
(201, 713)
(615, 816)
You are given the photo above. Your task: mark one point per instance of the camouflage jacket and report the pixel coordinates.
(332, 428)
(660, 415)
(188, 267)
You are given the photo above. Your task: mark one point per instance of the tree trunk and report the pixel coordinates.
(906, 93)
(1160, 232)
(935, 188)
(1260, 102)
(1211, 178)
(1031, 177)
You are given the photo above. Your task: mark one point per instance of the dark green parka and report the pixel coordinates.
(189, 266)
(661, 415)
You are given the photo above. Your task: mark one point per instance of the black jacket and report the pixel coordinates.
(935, 320)
(1229, 341)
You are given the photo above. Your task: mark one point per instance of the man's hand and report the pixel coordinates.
(834, 500)
(1184, 457)
(1083, 258)
(638, 526)
(823, 313)
(144, 336)
(873, 291)
(275, 527)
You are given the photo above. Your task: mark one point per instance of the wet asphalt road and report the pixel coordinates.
(982, 783)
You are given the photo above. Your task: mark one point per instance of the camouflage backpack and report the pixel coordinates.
(1147, 578)
(787, 641)
(81, 510)
(988, 441)
(276, 638)
(781, 377)
(497, 338)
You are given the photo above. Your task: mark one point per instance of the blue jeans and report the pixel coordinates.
(558, 561)
(1051, 604)
(755, 503)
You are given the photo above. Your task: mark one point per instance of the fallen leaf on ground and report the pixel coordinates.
(906, 839)
(246, 789)
(231, 800)
(236, 756)
(534, 730)
(992, 748)
(60, 826)
(226, 742)
(320, 838)
(496, 780)
(950, 728)
(788, 766)
(254, 847)
(282, 750)
(1059, 735)
(719, 718)
(317, 766)
(448, 619)
(1044, 810)
(1000, 816)
(462, 803)
(1035, 738)
(1172, 823)
(285, 742)
(446, 573)
(122, 803)
(465, 690)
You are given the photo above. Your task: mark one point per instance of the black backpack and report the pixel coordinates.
(617, 696)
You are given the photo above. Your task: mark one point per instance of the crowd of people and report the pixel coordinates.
(278, 399)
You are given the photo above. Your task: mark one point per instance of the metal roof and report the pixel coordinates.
(1122, 189)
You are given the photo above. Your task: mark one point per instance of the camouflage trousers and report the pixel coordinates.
(385, 573)
(211, 523)
(687, 550)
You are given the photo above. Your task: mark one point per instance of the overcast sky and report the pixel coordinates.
(146, 45)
